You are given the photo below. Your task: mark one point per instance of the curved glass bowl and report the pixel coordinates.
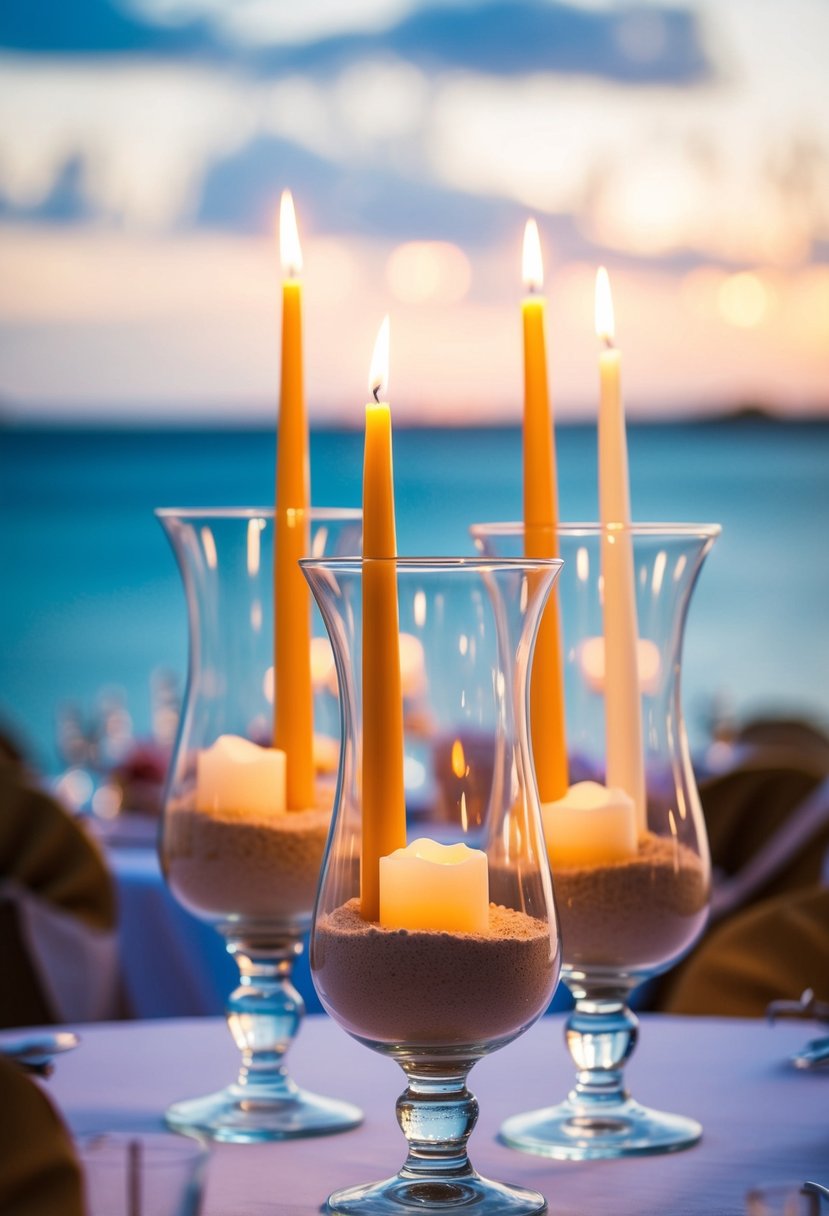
(440, 959)
(228, 853)
(632, 876)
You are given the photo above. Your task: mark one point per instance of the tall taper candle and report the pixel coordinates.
(540, 524)
(294, 707)
(623, 710)
(384, 806)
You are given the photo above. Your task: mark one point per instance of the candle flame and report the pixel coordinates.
(532, 266)
(378, 378)
(289, 248)
(209, 545)
(458, 761)
(604, 307)
(464, 812)
(254, 546)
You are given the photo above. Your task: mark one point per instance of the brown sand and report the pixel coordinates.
(428, 987)
(637, 913)
(233, 864)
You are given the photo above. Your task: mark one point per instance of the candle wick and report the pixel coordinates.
(609, 344)
(376, 393)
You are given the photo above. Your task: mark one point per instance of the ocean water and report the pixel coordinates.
(90, 597)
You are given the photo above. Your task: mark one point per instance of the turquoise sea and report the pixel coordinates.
(90, 597)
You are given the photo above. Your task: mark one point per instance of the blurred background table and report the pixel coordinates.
(762, 1119)
(172, 964)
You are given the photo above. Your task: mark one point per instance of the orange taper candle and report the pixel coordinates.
(540, 540)
(294, 704)
(384, 806)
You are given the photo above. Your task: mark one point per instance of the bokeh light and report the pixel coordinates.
(428, 272)
(744, 300)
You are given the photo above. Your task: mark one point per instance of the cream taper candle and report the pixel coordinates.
(623, 712)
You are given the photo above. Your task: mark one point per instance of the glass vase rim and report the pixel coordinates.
(330, 513)
(702, 531)
(435, 565)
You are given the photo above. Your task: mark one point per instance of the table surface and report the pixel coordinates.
(763, 1120)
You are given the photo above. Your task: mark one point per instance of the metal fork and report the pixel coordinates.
(816, 1052)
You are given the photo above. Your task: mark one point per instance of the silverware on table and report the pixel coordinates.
(814, 1055)
(34, 1051)
(816, 1052)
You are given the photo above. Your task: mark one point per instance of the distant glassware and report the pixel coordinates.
(467, 973)
(236, 863)
(90, 748)
(132, 1173)
(626, 919)
(107, 769)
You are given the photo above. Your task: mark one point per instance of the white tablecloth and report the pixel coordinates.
(762, 1119)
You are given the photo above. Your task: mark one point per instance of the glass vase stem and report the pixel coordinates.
(264, 1013)
(437, 1114)
(600, 1036)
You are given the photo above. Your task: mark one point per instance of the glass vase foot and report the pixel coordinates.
(416, 1193)
(626, 1129)
(236, 1116)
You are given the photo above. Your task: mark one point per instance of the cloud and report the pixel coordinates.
(737, 168)
(95, 27)
(128, 142)
(385, 148)
(280, 22)
(629, 43)
(152, 147)
(635, 43)
(239, 193)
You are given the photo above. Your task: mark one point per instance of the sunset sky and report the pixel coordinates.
(144, 146)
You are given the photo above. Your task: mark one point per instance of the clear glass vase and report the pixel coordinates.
(229, 853)
(461, 953)
(631, 875)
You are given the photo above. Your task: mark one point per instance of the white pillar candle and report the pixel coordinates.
(590, 826)
(326, 754)
(412, 666)
(591, 654)
(623, 711)
(428, 885)
(240, 776)
(323, 668)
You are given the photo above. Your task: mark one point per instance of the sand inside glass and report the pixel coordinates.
(640, 912)
(427, 987)
(241, 864)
